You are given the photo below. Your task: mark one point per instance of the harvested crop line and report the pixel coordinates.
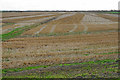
(85, 27)
(23, 29)
(75, 27)
(53, 28)
(66, 44)
(41, 29)
(91, 49)
(64, 16)
(26, 16)
(96, 20)
(21, 70)
(113, 15)
(10, 29)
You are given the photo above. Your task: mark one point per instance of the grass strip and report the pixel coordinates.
(107, 53)
(11, 34)
(90, 62)
(111, 12)
(4, 71)
(18, 31)
(68, 33)
(21, 69)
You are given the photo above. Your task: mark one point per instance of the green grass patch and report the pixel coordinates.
(112, 69)
(21, 69)
(112, 12)
(45, 66)
(11, 34)
(107, 53)
(86, 54)
(18, 31)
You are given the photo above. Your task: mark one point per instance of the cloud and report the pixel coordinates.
(59, 4)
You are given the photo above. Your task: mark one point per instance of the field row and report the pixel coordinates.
(76, 23)
(65, 28)
(28, 20)
(68, 22)
(112, 18)
(44, 43)
(21, 14)
(21, 52)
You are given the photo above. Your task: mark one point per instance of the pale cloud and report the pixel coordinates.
(58, 4)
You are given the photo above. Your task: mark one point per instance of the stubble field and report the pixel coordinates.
(59, 45)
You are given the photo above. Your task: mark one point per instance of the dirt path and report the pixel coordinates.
(113, 15)
(93, 19)
(26, 23)
(41, 29)
(53, 28)
(85, 27)
(75, 27)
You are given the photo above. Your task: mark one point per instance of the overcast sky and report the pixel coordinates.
(59, 4)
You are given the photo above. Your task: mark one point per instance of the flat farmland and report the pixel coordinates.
(95, 27)
(19, 14)
(59, 45)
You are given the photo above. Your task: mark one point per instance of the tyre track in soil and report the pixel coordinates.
(85, 27)
(43, 20)
(60, 17)
(41, 29)
(92, 18)
(75, 27)
(53, 28)
(29, 22)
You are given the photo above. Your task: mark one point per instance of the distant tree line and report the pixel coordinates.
(61, 11)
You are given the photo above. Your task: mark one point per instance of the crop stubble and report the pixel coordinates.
(48, 50)
(45, 50)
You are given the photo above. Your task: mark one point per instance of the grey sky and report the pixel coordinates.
(58, 4)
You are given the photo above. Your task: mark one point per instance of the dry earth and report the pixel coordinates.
(76, 37)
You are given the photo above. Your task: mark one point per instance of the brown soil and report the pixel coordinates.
(62, 49)
(112, 18)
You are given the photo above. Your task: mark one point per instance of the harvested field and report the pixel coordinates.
(112, 18)
(74, 19)
(101, 27)
(113, 15)
(80, 28)
(24, 19)
(25, 23)
(46, 46)
(16, 14)
(63, 28)
(90, 19)
(62, 45)
(61, 21)
(19, 14)
(9, 26)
